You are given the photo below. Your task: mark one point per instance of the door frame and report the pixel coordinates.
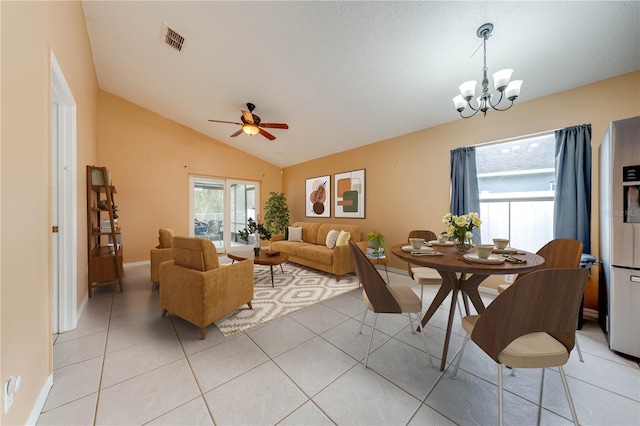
(64, 172)
(227, 183)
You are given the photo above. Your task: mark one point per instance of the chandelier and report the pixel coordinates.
(501, 82)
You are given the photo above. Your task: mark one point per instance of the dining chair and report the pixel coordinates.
(381, 298)
(557, 253)
(422, 275)
(530, 325)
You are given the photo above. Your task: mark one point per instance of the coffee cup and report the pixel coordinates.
(483, 250)
(443, 238)
(416, 243)
(500, 243)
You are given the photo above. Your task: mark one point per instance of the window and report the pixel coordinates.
(516, 180)
(220, 209)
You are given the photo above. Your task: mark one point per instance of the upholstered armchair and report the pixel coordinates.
(162, 253)
(196, 288)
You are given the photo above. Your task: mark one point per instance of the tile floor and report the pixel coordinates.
(124, 364)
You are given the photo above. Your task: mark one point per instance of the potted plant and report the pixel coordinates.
(378, 243)
(276, 213)
(259, 232)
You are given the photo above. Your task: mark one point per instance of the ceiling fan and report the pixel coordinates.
(251, 124)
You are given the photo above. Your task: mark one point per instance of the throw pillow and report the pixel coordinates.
(332, 237)
(343, 238)
(295, 233)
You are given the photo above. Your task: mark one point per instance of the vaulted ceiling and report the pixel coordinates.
(345, 74)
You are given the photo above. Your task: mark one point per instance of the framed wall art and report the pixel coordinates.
(349, 194)
(318, 197)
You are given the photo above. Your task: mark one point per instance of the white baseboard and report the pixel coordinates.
(34, 415)
(132, 264)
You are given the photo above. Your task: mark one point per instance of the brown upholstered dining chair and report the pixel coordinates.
(559, 253)
(381, 298)
(530, 325)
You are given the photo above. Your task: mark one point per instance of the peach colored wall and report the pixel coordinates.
(151, 159)
(30, 30)
(407, 177)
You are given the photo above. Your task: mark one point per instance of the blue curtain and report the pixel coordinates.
(572, 203)
(465, 196)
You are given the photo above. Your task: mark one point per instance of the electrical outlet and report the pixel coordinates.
(508, 278)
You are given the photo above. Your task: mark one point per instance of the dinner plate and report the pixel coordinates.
(438, 243)
(409, 249)
(508, 250)
(491, 259)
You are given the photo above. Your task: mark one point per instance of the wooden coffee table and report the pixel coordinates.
(262, 259)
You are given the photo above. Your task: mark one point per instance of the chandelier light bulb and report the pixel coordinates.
(513, 89)
(468, 90)
(460, 103)
(501, 79)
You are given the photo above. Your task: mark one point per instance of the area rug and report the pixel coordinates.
(296, 288)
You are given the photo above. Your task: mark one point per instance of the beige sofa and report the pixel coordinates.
(313, 251)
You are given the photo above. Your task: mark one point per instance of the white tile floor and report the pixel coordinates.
(124, 364)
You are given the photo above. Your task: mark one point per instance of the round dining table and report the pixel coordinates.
(462, 275)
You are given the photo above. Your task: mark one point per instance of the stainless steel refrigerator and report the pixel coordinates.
(620, 233)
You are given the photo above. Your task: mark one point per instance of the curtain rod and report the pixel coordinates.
(532, 135)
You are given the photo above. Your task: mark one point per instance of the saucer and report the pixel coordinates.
(491, 259)
(410, 248)
(438, 243)
(507, 250)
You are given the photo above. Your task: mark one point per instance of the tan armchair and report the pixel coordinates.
(196, 288)
(162, 253)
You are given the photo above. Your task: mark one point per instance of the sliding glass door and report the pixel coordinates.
(219, 209)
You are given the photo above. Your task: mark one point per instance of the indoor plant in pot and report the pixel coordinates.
(378, 243)
(276, 213)
(259, 232)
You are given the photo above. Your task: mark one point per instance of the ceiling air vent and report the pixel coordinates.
(172, 38)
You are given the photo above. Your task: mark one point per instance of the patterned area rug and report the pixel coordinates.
(296, 288)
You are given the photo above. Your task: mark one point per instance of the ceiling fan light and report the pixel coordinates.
(250, 129)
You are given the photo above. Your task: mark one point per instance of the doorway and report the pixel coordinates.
(64, 274)
(220, 208)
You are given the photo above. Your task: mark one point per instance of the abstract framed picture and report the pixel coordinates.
(349, 194)
(318, 197)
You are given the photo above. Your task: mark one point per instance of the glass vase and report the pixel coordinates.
(462, 246)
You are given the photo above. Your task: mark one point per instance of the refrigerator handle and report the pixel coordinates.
(635, 278)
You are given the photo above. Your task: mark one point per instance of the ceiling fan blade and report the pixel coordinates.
(228, 122)
(274, 125)
(267, 135)
(236, 133)
(248, 117)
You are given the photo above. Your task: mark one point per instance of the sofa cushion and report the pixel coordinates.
(195, 253)
(295, 233)
(332, 236)
(289, 247)
(325, 228)
(343, 238)
(310, 232)
(316, 253)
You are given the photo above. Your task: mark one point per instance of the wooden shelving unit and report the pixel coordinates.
(103, 232)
